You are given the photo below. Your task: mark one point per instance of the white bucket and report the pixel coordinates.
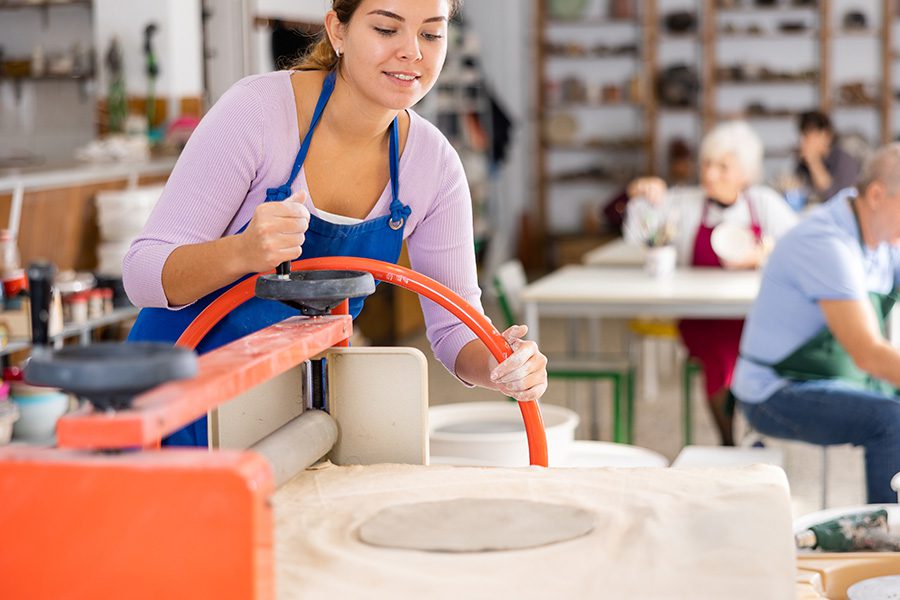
(110, 256)
(493, 433)
(588, 454)
(121, 214)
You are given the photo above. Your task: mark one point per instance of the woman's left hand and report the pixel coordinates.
(523, 375)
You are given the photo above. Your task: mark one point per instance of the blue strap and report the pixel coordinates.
(399, 212)
(283, 191)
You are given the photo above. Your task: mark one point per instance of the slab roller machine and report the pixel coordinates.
(106, 513)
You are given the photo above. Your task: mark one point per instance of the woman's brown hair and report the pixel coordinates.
(321, 57)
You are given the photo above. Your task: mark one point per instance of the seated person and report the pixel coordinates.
(824, 167)
(814, 364)
(682, 170)
(730, 165)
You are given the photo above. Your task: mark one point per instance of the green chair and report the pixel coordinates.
(509, 281)
(692, 368)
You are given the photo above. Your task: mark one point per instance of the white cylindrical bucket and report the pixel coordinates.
(588, 454)
(493, 433)
(121, 214)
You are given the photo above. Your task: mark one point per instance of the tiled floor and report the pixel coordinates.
(658, 424)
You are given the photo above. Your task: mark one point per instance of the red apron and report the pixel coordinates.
(714, 342)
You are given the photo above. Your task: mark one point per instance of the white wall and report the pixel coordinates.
(504, 28)
(298, 10)
(177, 44)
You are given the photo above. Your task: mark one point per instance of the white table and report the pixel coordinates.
(629, 292)
(616, 253)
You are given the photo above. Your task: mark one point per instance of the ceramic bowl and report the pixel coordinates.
(39, 409)
(733, 243)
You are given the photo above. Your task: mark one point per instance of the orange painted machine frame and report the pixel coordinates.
(77, 523)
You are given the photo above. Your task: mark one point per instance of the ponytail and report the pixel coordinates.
(321, 57)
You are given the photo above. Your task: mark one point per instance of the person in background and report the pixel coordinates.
(814, 364)
(731, 157)
(682, 171)
(325, 159)
(824, 167)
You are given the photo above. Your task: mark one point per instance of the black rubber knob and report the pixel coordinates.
(315, 292)
(109, 375)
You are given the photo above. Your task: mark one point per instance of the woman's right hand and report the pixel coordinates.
(275, 233)
(652, 188)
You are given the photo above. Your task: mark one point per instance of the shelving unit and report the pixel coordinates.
(770, 101)
(79, 330)
(44, 6)
(16, 74)
(579, 171)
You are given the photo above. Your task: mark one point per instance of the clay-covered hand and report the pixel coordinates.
(523, 375)
(652, 188)
(275, 233)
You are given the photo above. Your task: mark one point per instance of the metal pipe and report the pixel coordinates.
(298, 444)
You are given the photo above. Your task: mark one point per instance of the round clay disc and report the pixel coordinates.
(475, 525)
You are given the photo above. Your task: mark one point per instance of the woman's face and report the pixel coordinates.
(722, 178)
(394, 49)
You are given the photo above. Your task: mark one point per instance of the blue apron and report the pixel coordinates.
(380, 239)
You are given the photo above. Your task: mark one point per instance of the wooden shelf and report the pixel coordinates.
(765, 81)
(856, 33)
(590, 105)
(742, 10)
(592, 22)
(588, 179)
(767, 35)
(622, 146)
(668, 37)
(856, 105)
(751, 116)
(46, 77)
(44, 4)
(608, 56)
(70, 330)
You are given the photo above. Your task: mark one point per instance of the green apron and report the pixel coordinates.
(823, 357)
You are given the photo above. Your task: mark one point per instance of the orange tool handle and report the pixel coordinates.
(402, 277)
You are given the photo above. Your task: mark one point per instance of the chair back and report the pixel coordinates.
(509, 281)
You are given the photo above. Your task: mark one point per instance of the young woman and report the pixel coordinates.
(324, 159)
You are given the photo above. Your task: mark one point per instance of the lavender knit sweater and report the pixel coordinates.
(247, 143)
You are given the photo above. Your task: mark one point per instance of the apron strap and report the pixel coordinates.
(284, 191)
(399, 212)
(754, 218)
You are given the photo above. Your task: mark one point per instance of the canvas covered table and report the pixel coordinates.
(660, 533)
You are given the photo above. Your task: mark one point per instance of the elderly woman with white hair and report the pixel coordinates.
(731, 157)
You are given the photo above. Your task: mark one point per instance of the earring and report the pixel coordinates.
(337, 52)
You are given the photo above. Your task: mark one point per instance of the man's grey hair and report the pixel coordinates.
(739, 139)
(882, 166)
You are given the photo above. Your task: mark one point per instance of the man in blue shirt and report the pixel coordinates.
(814, 362)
